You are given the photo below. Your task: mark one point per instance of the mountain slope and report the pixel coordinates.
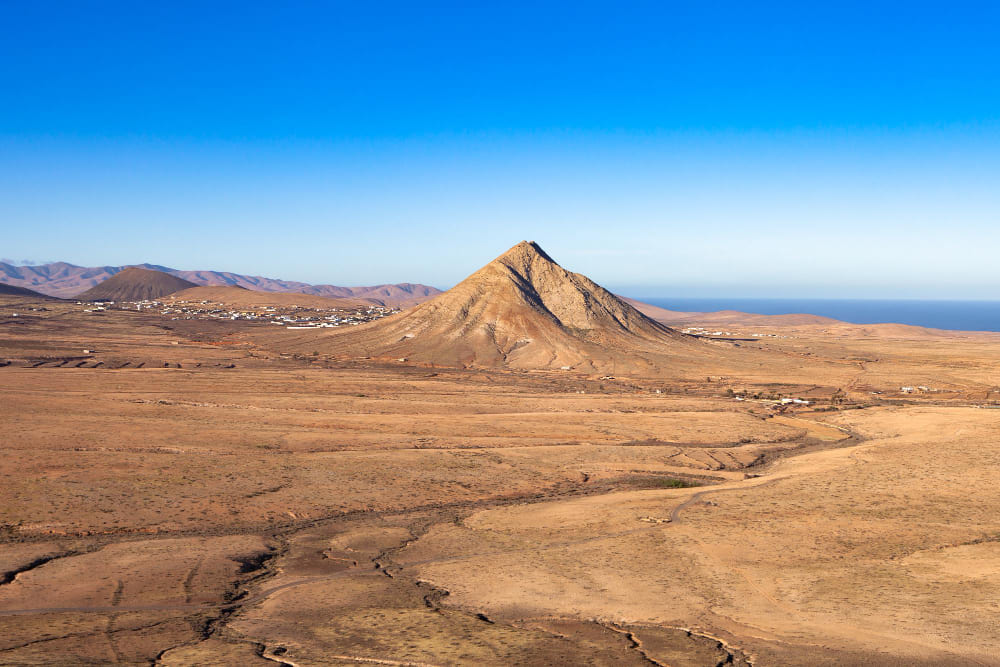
(239, 297)
(13, 290)
(522, 310)
(66, 280)
(135, 284)
(59, 279)
(402, 294)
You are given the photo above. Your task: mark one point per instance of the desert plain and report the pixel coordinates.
(193, 492)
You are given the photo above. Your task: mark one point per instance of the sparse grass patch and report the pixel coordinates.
(673, 483)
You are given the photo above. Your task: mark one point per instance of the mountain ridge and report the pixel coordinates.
(14, 290)
(65, 280)
(232, 295)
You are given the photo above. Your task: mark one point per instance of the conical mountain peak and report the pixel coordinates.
(526, 263)
(135, 284)
(521, 310)
(523, 253)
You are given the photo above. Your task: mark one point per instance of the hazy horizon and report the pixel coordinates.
(659, 292)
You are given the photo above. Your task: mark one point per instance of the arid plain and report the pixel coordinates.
(192, 492)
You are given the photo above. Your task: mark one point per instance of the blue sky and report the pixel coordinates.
(736, 149)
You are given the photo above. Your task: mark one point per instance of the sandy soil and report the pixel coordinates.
(178, 496)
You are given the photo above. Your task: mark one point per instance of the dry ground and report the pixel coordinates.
(178, 497)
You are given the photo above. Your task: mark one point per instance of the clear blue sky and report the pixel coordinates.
(702, 148)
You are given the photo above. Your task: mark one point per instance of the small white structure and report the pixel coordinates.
(794, 401)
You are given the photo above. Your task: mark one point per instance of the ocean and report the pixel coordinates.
(960, 315)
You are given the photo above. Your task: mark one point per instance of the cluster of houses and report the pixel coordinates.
(780, 401)
(291, 317)
(702, 331)
(910, 390)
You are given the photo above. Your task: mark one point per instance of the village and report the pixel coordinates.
(291, 316)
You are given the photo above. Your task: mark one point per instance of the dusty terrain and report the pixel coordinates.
(191, 493)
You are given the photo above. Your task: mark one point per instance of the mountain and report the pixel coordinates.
(65, 280)
(522, 310)
(13, 290)
(57, 279)
(402, 294)
(242, 297)
(134, 284)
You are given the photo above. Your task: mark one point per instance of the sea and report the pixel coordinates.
(937, 314)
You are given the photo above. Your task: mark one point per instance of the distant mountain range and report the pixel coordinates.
(62, 279)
